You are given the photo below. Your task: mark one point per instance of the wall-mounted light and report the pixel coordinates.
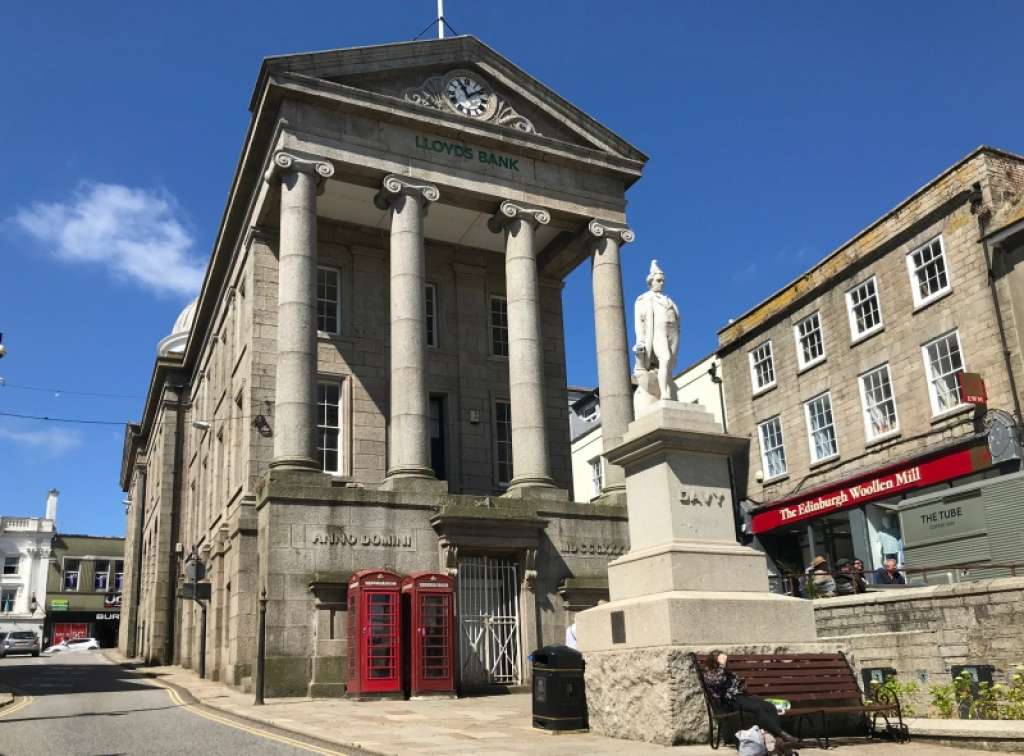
(201, 425)
(260, 423)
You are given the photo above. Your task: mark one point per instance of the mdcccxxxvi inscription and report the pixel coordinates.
(594, 548)
(341, 537)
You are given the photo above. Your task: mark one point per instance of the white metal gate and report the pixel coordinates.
(489, 621)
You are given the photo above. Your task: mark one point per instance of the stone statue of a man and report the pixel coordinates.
(657, 341)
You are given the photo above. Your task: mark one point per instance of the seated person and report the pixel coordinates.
(728, 689)
(859, 581)
(845, 579)
(821, 578)
(889, 575)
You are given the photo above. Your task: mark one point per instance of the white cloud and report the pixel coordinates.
(136, 233)
(52, 440)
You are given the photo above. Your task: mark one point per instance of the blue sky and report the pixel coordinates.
(776, 131)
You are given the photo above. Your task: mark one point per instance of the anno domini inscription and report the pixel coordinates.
(342, 537)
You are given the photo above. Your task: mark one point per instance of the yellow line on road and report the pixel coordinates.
(16, 706)
(176, 699)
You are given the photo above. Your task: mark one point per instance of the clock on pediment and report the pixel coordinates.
(467, 94)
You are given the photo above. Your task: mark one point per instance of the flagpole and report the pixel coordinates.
(440, 19)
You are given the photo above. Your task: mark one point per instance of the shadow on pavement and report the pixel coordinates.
(118, 713)
(35, 679)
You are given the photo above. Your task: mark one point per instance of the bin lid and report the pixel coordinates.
(561, 657)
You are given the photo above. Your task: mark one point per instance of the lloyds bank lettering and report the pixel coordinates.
(454, 149)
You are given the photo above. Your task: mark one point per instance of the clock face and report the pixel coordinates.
(467, 96)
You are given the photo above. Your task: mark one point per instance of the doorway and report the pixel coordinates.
(488, 605)
(437, 437)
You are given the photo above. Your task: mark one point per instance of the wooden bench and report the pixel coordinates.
(816, 685)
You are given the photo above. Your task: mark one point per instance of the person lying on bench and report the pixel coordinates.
(728, 688)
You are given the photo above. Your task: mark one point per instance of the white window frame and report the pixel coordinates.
(430, 303)
(802, 365)
(13, 593)
(491, 326)
(759, 388)
(97, 573)
(763, 446)
(913, 270)
(322, 426)
(499, 443)
(856, 335)
(118, 575)
(336, 273)
(930, 378)
(64, 572)
(17, 565)
(810, 430)
(869, 433)
(597, 475)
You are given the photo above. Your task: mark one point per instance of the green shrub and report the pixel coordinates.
(901, 690)
(980, 700)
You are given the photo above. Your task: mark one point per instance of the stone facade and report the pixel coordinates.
(956, 208)
(25, 546)
(386, 283)
(921, 633)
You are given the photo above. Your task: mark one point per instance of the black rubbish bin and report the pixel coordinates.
(559, 700)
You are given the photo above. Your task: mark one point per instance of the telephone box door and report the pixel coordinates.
(431, 604)
(374, 638)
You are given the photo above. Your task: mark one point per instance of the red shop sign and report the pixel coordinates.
(877, 485)
(972, 389)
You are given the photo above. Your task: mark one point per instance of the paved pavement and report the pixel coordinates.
(82, 704)
(493, 725)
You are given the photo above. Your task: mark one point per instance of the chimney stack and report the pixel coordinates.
(51, 505)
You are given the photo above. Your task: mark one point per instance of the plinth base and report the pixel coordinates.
(695, 618)
(653, 694)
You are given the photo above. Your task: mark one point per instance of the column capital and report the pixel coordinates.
(600, 229)
(287, 162)
(509, 211)
(394, 185)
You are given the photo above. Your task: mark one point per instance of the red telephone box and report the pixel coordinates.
(428, 600)
(374, 640)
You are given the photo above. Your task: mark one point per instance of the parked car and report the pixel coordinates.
(74, 644)
(20, 642)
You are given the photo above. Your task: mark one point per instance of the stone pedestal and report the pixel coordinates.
(685, 585)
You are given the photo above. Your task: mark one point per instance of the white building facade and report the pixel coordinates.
(25, 544)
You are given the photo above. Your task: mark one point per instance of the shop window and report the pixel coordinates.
(821, 430)
(431, 306)
(328, 425)
(597, 475)
(929, 278)
(773, 451)
(942, 361)
(864, 309)
(499, 326)
(762, 367)
(7, 596)
(810, 343)
(72, 568)
(328, 300)
(878, 403)
(101, 579)
(503, 441)
(11, 565)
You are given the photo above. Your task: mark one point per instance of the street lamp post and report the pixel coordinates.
(195, 569)
(261, 647)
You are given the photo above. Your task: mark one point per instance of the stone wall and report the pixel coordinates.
(923, 632)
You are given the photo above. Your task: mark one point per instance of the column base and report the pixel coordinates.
(535, 488)
(295, 463)
(615, 497)
(415, 479)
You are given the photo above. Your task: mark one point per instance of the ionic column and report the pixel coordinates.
(301, 180)
(409, 447)
(615, 390)
(530, 465)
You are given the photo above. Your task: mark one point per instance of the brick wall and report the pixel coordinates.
(923, 632)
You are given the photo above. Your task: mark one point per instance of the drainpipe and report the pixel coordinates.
(984, 214)
(172, 599)
(737, 509)
(139, 502)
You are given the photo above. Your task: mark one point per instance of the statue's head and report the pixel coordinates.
(656, 278)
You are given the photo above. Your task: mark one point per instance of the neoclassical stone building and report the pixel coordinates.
(373, 374)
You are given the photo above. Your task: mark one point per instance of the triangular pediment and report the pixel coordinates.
(459, 79)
